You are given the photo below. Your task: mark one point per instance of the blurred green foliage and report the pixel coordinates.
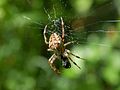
(24, 56)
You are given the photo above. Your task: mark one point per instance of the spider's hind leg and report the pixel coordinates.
(45, 35)
(62, 24)
(68, 43)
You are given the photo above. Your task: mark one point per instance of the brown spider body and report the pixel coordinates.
(57, 45)
(55, 42)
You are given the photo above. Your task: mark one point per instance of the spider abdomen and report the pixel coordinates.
(55, 41)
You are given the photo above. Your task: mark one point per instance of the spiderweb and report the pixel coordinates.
(101, 22)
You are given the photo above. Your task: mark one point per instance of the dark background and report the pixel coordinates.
(94, 24)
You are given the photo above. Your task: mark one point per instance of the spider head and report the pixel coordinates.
(65, 62)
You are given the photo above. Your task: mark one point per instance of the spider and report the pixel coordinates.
(58, 46)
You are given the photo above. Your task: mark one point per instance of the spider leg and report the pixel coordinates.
(50, 50)
(51, 63)
(73, 62)
(45, 35)
(68, 43)
(68, 51)
(62, 24)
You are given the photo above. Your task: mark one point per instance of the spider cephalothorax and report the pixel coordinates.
(57, 45)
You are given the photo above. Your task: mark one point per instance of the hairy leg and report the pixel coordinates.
(68, 43)
(68, 51)
(45, 35)
(73, 62)
(62, 24)
(51, 63)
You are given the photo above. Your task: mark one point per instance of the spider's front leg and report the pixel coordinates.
(66, 54)
(68, 51)
(51, 63)
(45, 35)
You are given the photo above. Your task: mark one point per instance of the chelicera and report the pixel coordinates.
(58, 47)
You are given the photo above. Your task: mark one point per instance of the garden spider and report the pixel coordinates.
(57, 45)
